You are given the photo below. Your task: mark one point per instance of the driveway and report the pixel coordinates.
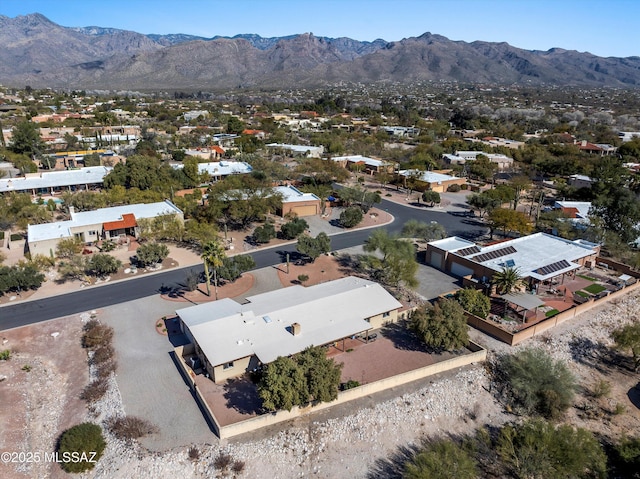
(150, 384)
(434, 282)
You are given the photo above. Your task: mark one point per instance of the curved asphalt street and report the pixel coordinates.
(29, 312)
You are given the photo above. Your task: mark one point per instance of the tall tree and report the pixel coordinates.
(394, 261)
(425, 231)
(509, 221)
(628, 338)
(283, 385)
(26, 139)
(442, 327)
(314, 247)
(213, 257)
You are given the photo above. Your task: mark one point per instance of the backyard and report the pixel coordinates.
(517, 312)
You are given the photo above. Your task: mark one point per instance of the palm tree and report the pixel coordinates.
(506, 281)
(212, 255)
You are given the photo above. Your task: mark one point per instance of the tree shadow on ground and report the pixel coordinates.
(175, 335)
(634, 395)
(336, 222)
(349, 264)
(595, 355)
(469, 234)
(392, 466)
(294, 256)
(242, 395)
(402, 337)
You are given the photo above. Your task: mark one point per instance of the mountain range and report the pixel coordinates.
(40, 53)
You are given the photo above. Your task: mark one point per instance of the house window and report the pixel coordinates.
(92, 233)
(386, 315)
(228, 365)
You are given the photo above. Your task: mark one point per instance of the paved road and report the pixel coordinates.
(30, 312)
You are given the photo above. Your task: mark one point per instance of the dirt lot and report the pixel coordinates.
(44, 378)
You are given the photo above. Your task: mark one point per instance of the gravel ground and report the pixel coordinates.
(349, 446)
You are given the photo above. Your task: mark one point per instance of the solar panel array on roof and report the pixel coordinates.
(468, 251)
(481, 258)
(553, 267)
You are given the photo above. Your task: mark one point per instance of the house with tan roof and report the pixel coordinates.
(231, 339)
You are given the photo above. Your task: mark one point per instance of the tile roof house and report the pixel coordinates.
(92, 226)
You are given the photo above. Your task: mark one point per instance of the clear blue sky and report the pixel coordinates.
(604, 28)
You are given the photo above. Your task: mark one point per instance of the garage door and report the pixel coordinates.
(304, 210)
(437, 188)
(459, 270)
(436, 260)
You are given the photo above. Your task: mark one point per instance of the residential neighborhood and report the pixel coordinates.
(239, 283)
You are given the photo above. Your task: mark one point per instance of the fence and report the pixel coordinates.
(527, 332)
(477, 354)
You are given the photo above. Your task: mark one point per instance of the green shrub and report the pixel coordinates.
(151, 253)
(538, 449)
(474, 301)
(108, 245)
(5, 355)
(551, 312)
(350, 384)
(293, 228)
(441, 459)
(601, 389)
(454, 188)
(80, 447)
(264, 234)
(537, 383)
(351, 217)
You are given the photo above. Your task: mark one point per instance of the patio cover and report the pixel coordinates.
(526, 301)
(625, 277)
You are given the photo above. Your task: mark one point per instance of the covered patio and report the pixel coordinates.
(523, 303)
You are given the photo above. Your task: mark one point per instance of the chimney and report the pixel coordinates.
(295, 329)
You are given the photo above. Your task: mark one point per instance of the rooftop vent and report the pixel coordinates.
(296, 329)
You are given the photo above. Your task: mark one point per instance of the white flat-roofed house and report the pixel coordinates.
(50, 182)
(580, 181)
(299, 150)
(537, 257)
(220, 169)
(92, 226)
(503, 162)
(231, 338)
(371, 166)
